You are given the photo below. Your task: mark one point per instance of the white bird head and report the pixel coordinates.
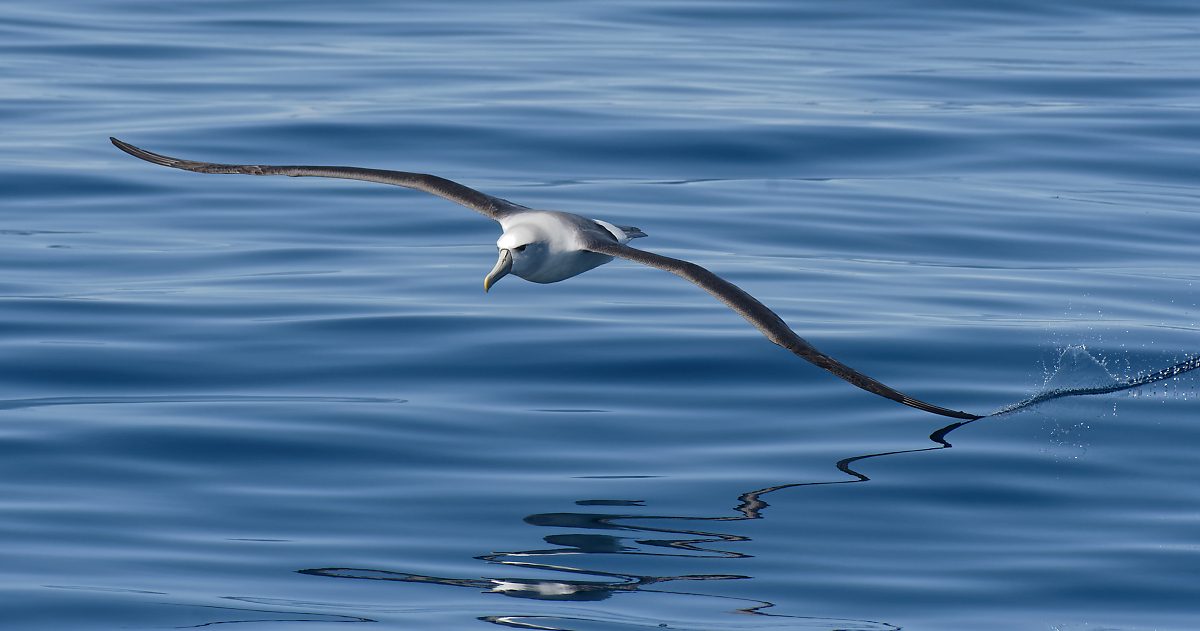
(522, 249)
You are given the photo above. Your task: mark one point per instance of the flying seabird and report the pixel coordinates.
(546, 246)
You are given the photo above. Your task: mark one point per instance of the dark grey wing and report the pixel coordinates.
(766, 321)
(483, 203)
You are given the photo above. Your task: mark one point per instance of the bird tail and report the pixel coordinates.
(632, 232)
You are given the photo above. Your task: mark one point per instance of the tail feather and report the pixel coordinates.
(632, 232)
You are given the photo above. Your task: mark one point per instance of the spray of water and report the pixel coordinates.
(1109, 384)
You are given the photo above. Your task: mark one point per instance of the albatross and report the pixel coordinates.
(546, 246)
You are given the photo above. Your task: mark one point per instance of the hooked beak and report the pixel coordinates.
(503, 266)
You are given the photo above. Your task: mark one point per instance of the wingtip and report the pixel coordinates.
(124, 146)
(936, 409)
(148, 156)
(966, 416)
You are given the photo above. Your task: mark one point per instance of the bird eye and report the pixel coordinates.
(521, 248)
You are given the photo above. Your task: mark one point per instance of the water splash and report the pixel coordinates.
(1079, 373)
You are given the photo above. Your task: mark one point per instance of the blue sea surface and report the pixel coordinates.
(275, 403)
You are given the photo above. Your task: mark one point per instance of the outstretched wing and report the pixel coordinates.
(482, 203)
(765, 320)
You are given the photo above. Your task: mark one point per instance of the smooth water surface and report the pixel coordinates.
(277, 403)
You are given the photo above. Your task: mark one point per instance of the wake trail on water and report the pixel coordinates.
(1076, 360)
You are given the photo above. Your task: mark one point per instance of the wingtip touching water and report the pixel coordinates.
(549, 246)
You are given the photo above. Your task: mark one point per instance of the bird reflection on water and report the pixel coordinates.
(665, 541)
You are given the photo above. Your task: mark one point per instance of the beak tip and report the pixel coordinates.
(499, 271)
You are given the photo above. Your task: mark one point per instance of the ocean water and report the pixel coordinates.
(273, 403)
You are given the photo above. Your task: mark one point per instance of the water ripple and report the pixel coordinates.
(17, 404)
(202, 376)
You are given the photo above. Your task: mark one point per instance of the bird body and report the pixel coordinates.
(547, 246)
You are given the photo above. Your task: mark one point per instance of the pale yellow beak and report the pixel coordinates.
(503, 267)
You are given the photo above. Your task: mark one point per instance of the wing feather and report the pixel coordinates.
(482, 203)
(766, 321)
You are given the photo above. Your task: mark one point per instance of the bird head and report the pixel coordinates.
(519, 248)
